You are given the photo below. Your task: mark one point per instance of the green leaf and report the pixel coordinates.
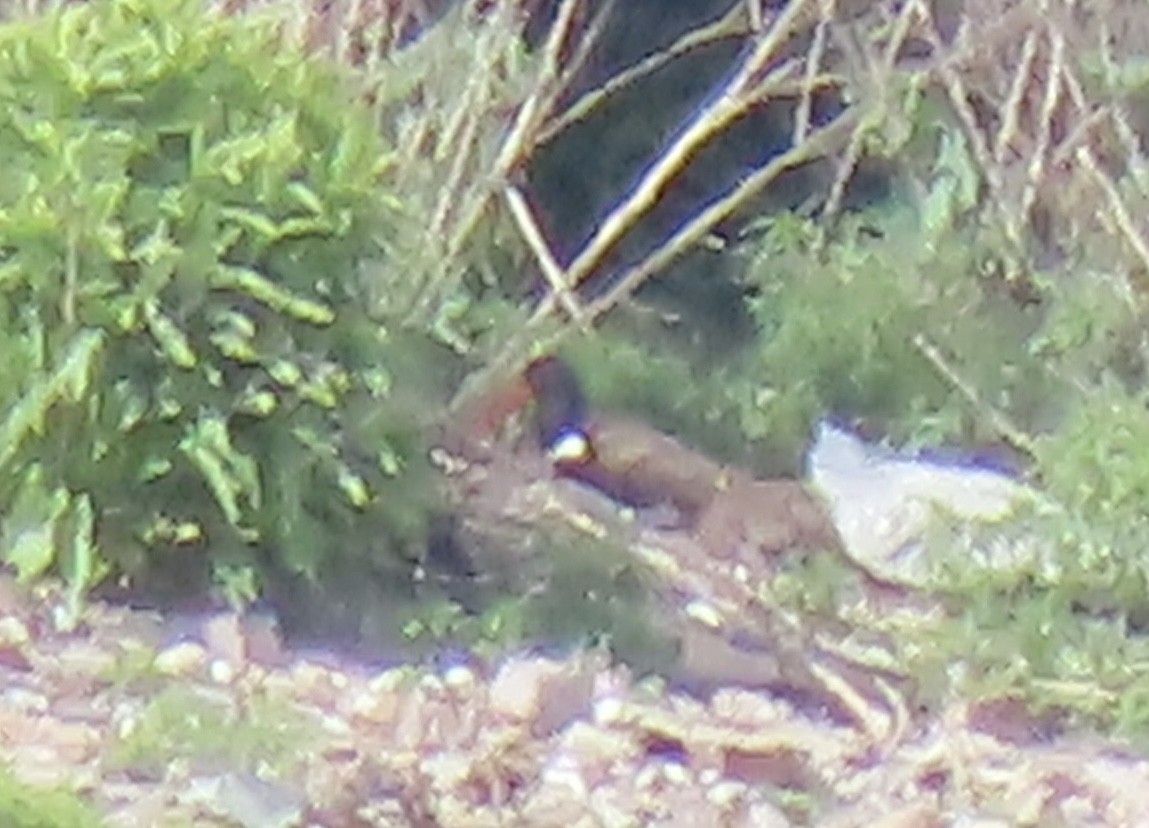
(238, 582)
(172, 341)
(82, 566)
(30, 524)
(954, 189)
(68, 383)
(232, 477)
(274, 296)
(353, 486)
(305, 197)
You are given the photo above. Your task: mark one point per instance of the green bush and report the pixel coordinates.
(25, 806)
(192, 382)
(847, 319)
(844, 327)
(624, 373)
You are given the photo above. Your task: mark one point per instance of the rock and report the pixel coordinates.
(248, 801)
(882, 505)
(239, 639)
(181, 659)
(765, 516)
(14, 638)
(543, 693)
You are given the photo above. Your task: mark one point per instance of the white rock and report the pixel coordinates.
(13, 632)
(883, 504)
(181, 659)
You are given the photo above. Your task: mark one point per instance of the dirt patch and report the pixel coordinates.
(215, 725)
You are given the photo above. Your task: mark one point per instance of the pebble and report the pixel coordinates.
(221, 672)
(13, 632)
(181, 659)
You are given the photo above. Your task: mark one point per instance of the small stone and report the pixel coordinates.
(460, 678)
(560, 800)
(646, 777)
(704, 613)
(609, 710)
(12, 658)
(563, 776)
(309, 678)
(377, 707)
(24, 701)
(335, 725)
(595, 747)
(675, 773)
(547, 693)
(249, 801)
(181, 659)
(766, 815)
(85, 658)
(515, 691)
(389, 680)
(280, 684)
(221, 672)
(13, 632)
(223, 635)
(725, 794)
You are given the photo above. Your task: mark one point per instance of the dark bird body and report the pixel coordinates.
(642, 467)
(624, 459)
(560, 408)
(724, 519)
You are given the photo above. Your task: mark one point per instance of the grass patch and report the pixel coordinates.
(188, 724)
(29, 806)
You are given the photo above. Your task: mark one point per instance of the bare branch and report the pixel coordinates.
(551, 270)
(1000, 423)
(818, 144)
(1119, 215)
(532, 337)
(580, 110)
(813, 62)
(726, 107)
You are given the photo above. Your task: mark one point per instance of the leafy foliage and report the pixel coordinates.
(545, 585)
(190, 369)
(627, 373)
(844, 316)
(183, 724)
(843, 322)
(24, 806)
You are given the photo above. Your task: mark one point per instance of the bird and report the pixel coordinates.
(639, 466)
(561, 414)
(624, 458)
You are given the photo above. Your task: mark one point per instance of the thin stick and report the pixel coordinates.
(531, 336)
(817, 144)
(510, 154)
(813, 62)
(581, 109)
(730, 104)
(1013, 435)
(551, 270)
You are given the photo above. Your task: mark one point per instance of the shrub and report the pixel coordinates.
(26, 806)
(193, 384)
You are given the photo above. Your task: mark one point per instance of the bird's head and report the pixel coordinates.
(561, 417)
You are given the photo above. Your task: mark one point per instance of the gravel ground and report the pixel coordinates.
(213, 721)
(224, 727)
